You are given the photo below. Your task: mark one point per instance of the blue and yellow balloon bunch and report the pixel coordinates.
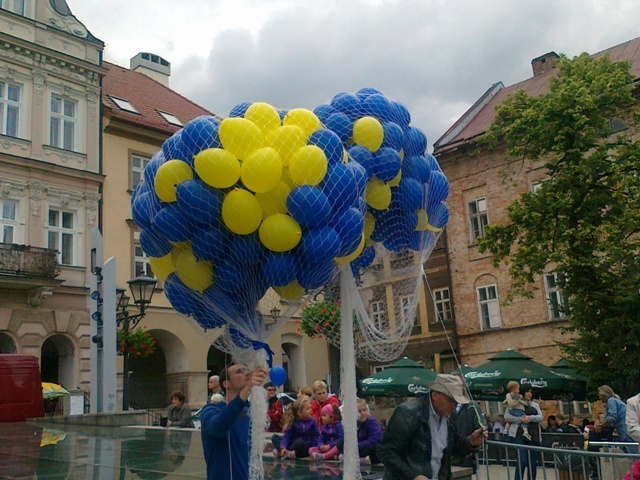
(268, 198)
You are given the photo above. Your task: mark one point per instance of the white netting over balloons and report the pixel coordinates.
(286, 200)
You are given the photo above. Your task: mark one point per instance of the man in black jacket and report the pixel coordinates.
(420, 440)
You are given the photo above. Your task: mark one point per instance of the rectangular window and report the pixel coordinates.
(489, 307)
(442, 302)
(378, 315)
(405, 311)
(63, 122)
(138, 163)
(10, 98)
(15, 6)
(142, 268)
(62, 234)
(8, 221)
(478, 218)
(535, 186)
(556, 302)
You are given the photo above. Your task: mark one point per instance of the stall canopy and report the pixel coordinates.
(404, 378)
(489, 380)
(53, 390)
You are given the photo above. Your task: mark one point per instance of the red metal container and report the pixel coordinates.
(20, 388)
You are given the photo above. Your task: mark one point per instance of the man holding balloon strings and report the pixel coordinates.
(225, 425)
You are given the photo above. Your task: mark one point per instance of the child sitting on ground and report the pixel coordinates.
(301, 434)
(330, 434)
(516, 405)
(322, 398)
(369, 434)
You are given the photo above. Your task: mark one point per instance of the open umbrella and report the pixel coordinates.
(53, 390)
(562, 367)
(404, 378)
(489, 380)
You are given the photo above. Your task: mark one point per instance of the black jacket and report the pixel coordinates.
(405, 449)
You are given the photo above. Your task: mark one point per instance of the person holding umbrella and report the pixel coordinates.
(420, 439)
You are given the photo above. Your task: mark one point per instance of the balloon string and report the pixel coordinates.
(257, 345)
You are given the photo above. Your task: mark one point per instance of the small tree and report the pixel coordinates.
(584, 221)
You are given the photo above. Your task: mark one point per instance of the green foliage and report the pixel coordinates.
(321, 317)
(137, 342)
(584, 222)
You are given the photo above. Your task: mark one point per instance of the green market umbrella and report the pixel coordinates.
(404, 378)
(562, 367)
(489, 380)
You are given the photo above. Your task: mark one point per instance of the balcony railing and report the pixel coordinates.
(28, 262)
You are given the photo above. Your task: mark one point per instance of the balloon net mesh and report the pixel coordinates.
(275, 202)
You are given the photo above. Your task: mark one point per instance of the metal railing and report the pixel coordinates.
(28, 261)
(502, 460)
(153, 418)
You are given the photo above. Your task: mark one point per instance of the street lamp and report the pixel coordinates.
(275, 313)
(142, 289)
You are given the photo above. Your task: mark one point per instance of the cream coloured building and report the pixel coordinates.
(140, 111)
(50, 182)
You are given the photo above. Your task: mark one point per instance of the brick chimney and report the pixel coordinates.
(544, 63)
(153, 66)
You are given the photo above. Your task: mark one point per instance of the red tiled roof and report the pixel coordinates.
(147, 96)
(533, 86)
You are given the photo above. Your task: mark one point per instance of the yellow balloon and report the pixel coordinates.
(303, 118)
(286, 178)
(369, 243)
(291, 292)
(262, 170)
(423, 220)
(274, 201)
(217, 167)
(308, 166)
(162, 266)
(286, 139)
(178, 248)
(195, 274)
(241, 212)
(168, 176)
(377, 194)
(345, 156)
(353, 255)
(280, 233)
(240, 136)
(369, 224)
(396, 180)
(264, 116)
(368, 133)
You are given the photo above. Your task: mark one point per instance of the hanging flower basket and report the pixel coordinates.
(137, 342)
(320, 318)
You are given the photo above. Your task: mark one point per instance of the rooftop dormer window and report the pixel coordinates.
(124, 105)
(172, 119)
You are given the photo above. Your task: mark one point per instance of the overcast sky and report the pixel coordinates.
(437, 57)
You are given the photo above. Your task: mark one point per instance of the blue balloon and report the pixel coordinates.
(360, 175)
(153, 245)
(400, 114)
(278, 375)
(422, 241)
(364, 157)
(210, 243)
(417, 167)
(378, 106)
(309, 206)
(367, 256)
(393, 135)
(174, 149)
(348, 104)
(247, 249)
(198, 201)
(171, 224)
(438, 189)
(340, 185)
(340, 124)
(386, 164)
(144, 208)
(438, 215)
(349, 224)
(182, 298)
(433, 163)
(410, 195)
(365, 92)
(313, 275)
(256, 287)
(221, 303)
(320, 244)
(152, 167)
(279, 269)
(323, 112)
(240, 109)
(329, 143)
(208, 319)
(282, 113)
(415, 142)
(199, 134)
(231, 277)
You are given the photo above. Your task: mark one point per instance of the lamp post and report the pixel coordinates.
(275, 313)
(142, 289)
